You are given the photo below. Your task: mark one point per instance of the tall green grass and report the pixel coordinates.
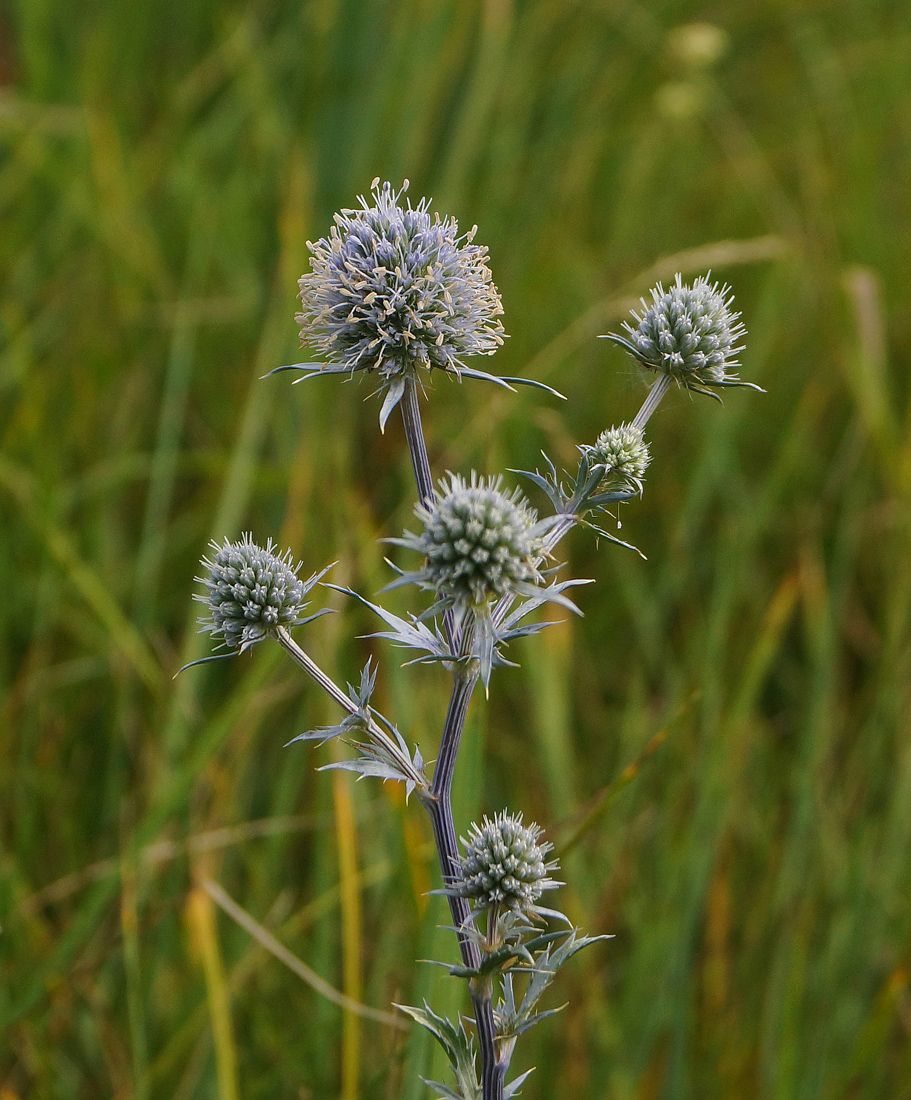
(723, 739)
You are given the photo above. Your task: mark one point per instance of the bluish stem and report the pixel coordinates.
(417, 446)
(439, 805)
(420, 463)
(465, 679)
(655, 394)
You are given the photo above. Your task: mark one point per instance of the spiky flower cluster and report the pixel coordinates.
(624, 455)
(393, 288)
(504, 864)
(250, 591)
(689, 333)
(479, 542)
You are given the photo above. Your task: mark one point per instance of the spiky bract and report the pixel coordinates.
(687, 332)
(392, 289)
(479, 542)
(624, 454)
(250, 592)
(505, 864)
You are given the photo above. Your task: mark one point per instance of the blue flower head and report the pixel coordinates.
(505, 864)
(393, 289)
(689, 333)
(251, 591)
(624, 456)
(478, 542)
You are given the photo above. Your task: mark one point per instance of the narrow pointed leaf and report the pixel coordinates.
(313, 368)
(203, 661)
(394, 395)
(513, 1087)
(554, 495)
(533, 383)
(472, 372)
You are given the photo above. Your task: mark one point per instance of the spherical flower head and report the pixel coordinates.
(504, 864)
(392, 289)
(689, 333)
(479, 542)
(250, 592)
(624, 455)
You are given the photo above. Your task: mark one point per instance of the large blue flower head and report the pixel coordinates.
(393, 289)
(689, 333)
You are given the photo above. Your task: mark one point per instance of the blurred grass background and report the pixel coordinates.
(161, 168)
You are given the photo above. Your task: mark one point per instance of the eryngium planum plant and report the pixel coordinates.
(394, 292)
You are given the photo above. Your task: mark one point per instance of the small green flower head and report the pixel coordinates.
(250, 592)
(479, 542)
(504, 864)
(392, 289)
(687, 332)
(624, 455)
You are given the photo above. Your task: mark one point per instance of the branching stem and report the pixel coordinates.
(337, 695)
(439, 805)
(655, 394)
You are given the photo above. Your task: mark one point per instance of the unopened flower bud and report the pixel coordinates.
(505, 864)
(687, 332)
(479, 542)
(624, 455)
(250, 592)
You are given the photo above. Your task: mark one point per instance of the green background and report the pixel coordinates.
(725, 733)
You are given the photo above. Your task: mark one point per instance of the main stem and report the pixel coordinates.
(493, 1072)
(439, 806)
(417, 448)
(420, 463)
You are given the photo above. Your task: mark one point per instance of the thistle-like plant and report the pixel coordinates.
(395, 293)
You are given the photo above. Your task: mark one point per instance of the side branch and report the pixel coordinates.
(440, 807)
(389, 756)
(313, 670)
